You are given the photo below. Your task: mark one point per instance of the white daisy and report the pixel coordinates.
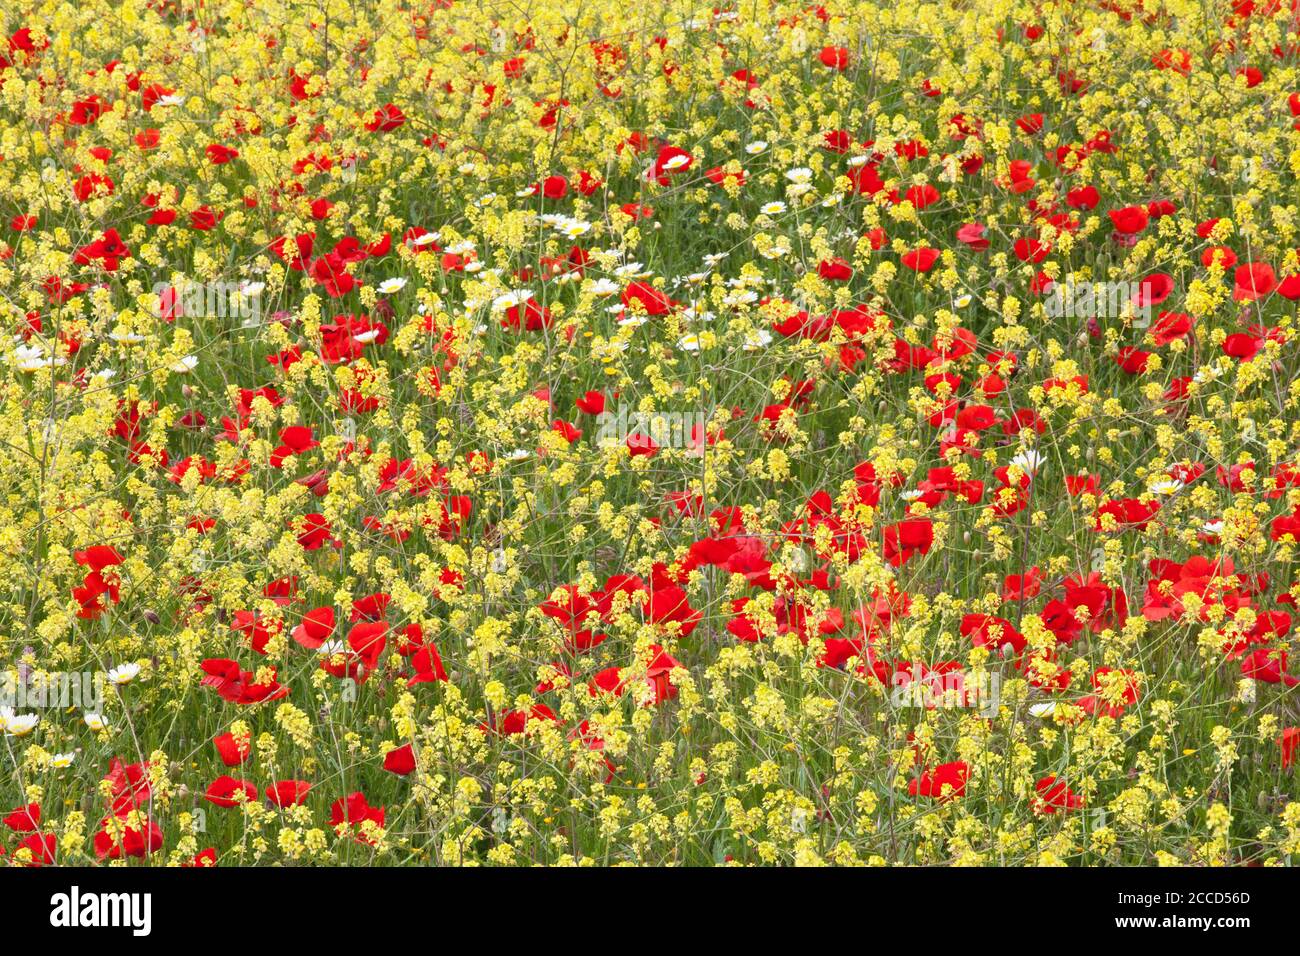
(511, 299)
(29, 358)
(1029, 461)
(1165, 486)
(124, 673)
(17, 725)
(602, 287)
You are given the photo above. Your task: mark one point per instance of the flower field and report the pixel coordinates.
(512, 433)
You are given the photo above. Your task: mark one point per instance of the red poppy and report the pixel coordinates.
(386, 119)
(1129, 220)
(25, 819)
(353, 812)
(231, 749)
(225, 792)
(1288, 742)
(288, 793)
(316, 627)
(400, 760)
(944, 782)
(920, 260)
(1054, 796)
(834, 57)
(1255, 280)
(906, 539)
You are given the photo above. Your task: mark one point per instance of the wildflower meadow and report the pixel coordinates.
(506, 432)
